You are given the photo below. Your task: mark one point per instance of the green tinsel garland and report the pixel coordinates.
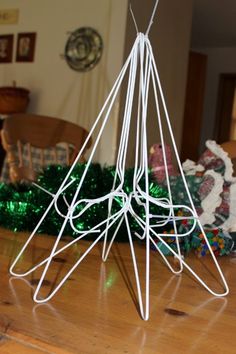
(21, 205)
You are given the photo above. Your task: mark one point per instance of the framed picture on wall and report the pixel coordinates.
(25, 47)
(6, 48)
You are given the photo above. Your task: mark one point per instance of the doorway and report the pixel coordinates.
(225, 123)
(193, 111)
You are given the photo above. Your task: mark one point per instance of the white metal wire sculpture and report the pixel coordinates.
(142, 72)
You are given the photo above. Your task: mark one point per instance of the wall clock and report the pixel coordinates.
(83, 49)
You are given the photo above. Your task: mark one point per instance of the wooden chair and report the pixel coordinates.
(33, 131)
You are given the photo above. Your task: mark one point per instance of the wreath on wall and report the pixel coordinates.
(83, 49)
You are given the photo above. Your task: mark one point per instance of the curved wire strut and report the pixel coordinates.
(140, 67)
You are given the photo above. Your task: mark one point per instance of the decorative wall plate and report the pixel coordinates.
(83, 49)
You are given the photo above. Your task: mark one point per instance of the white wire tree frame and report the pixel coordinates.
(142, 72)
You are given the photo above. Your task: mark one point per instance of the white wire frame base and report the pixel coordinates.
(142, 72)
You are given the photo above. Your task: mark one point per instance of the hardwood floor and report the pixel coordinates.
(95, 312)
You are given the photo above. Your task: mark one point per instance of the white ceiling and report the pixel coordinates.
(214, 23)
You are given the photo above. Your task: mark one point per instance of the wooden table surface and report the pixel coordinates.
(95, 312)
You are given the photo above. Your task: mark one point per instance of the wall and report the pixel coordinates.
(170, 38)
(56, 90)
(220, 61)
